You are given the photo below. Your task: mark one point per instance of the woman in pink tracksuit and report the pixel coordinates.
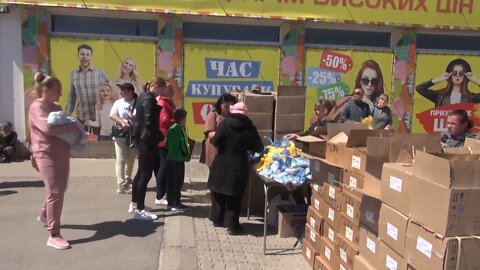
(50, 154)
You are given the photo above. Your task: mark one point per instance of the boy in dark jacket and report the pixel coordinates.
(8, 138)
(178, 154)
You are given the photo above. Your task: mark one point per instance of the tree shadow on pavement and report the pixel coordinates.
(21, 184)
(109, 229)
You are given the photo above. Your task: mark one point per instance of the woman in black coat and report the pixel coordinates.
(228, 179)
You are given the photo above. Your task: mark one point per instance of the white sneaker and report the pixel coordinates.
(144, 215)
(162, 201)
(132, 207)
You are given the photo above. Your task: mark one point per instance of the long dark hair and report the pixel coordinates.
(466, 68)
(463, 117)
(222, 99)
(379, 87)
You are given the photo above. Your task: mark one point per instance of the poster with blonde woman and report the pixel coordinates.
(129, 74)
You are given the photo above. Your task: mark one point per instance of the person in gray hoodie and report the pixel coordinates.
(356, 109)
(382, 115)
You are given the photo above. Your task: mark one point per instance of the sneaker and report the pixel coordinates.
(57, 242)
(42, 220)
(132, 207)
(144, 215)
(122, 190)
(162, 201)
(177, 208)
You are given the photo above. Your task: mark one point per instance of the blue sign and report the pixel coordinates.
(231, 69)
(321, 77)
(214, 89)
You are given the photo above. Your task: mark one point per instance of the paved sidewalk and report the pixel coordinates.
(202, 246)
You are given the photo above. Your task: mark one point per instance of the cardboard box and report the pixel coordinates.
(332, 195)
(312, 145)
(369, 246)
(308, 252)
(262, 121)
(316, 202)
(314, 219)
(258, 103)
(265, 133)
(346, 251)
(362, 264)
(289, 122)
(453, 186)
(391, 260)
(320, 264)
(354, 182)
(315, 169)
(330, 173)
(351, 205)
(327, 253)
(331, 215)
(290, 104)
(426, 250)
(290, 224)
(393, 228)
(370, 212)
(287, 90)
(406, 142)
(397, 181)
(313, 237)
(329, 233)
(349, 229)
(316, 188)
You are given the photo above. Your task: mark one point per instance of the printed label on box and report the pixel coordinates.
(331, 192)
(331, 178)
(371, 245)
(356, 161)
(392, 231)
(349, 233)
(370, 216)
(396, 183)
(331, 235)
(342, 267)
(328, 253)
(317, 204)
(312, 222)
(390, 263)
(343, 255)
(316, 187)
(331, 214)
(353, 182)
(424, 247)
(312, 236)
(350, 210)
(308, 253)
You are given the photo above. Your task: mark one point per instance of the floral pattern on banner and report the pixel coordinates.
(169, 54)
(293, 54)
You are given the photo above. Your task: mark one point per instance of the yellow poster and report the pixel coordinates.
(212, 70)
(444, 83)
(445, 13)
(334, 74)
(84, 66)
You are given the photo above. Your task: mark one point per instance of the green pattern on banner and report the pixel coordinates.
(333, 91)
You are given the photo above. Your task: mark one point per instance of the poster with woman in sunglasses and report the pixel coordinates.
(457, 75)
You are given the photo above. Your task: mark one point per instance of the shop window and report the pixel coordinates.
(348, 38)
(443, 42)
(103, 26)
(215, 31)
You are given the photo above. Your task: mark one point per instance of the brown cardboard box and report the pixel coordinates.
(313, 237)
(332, 195)
(316, 188)
(331, 215)
(351, 204)
(370, 212)
(349, 229)
(391, 260)
(327, 253)
(314, 219)
(262, 121)
(308, 252)
(453, 186)
(265, 133)
(258, 103)
(346, 251)
(316, 202)
(329, 233)
(312, 145)
(330, 173)
(396, 184)
(320, 264)
(369, 246)
(290, 104)
(429, 143)
(362, 264)
(289, 122)
(315, 169)
(393, 228)
(354, 182)
(290, 224)
(425, 250)
(287, 90)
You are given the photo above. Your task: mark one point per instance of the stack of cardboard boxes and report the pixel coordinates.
(289, 110)
(260, 111)
(369, 211)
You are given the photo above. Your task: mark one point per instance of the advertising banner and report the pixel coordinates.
(213, 70)
(431, 13)
(444, 83)
(334, 74)
(108, 61)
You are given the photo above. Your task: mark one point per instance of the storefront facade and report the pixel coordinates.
(207, 48)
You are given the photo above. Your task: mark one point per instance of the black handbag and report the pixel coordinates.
(118, 131)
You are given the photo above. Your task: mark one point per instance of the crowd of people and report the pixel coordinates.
(150, 128)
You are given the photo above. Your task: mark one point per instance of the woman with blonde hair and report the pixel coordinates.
(106, 96)
(50, 154)
(129, 74)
